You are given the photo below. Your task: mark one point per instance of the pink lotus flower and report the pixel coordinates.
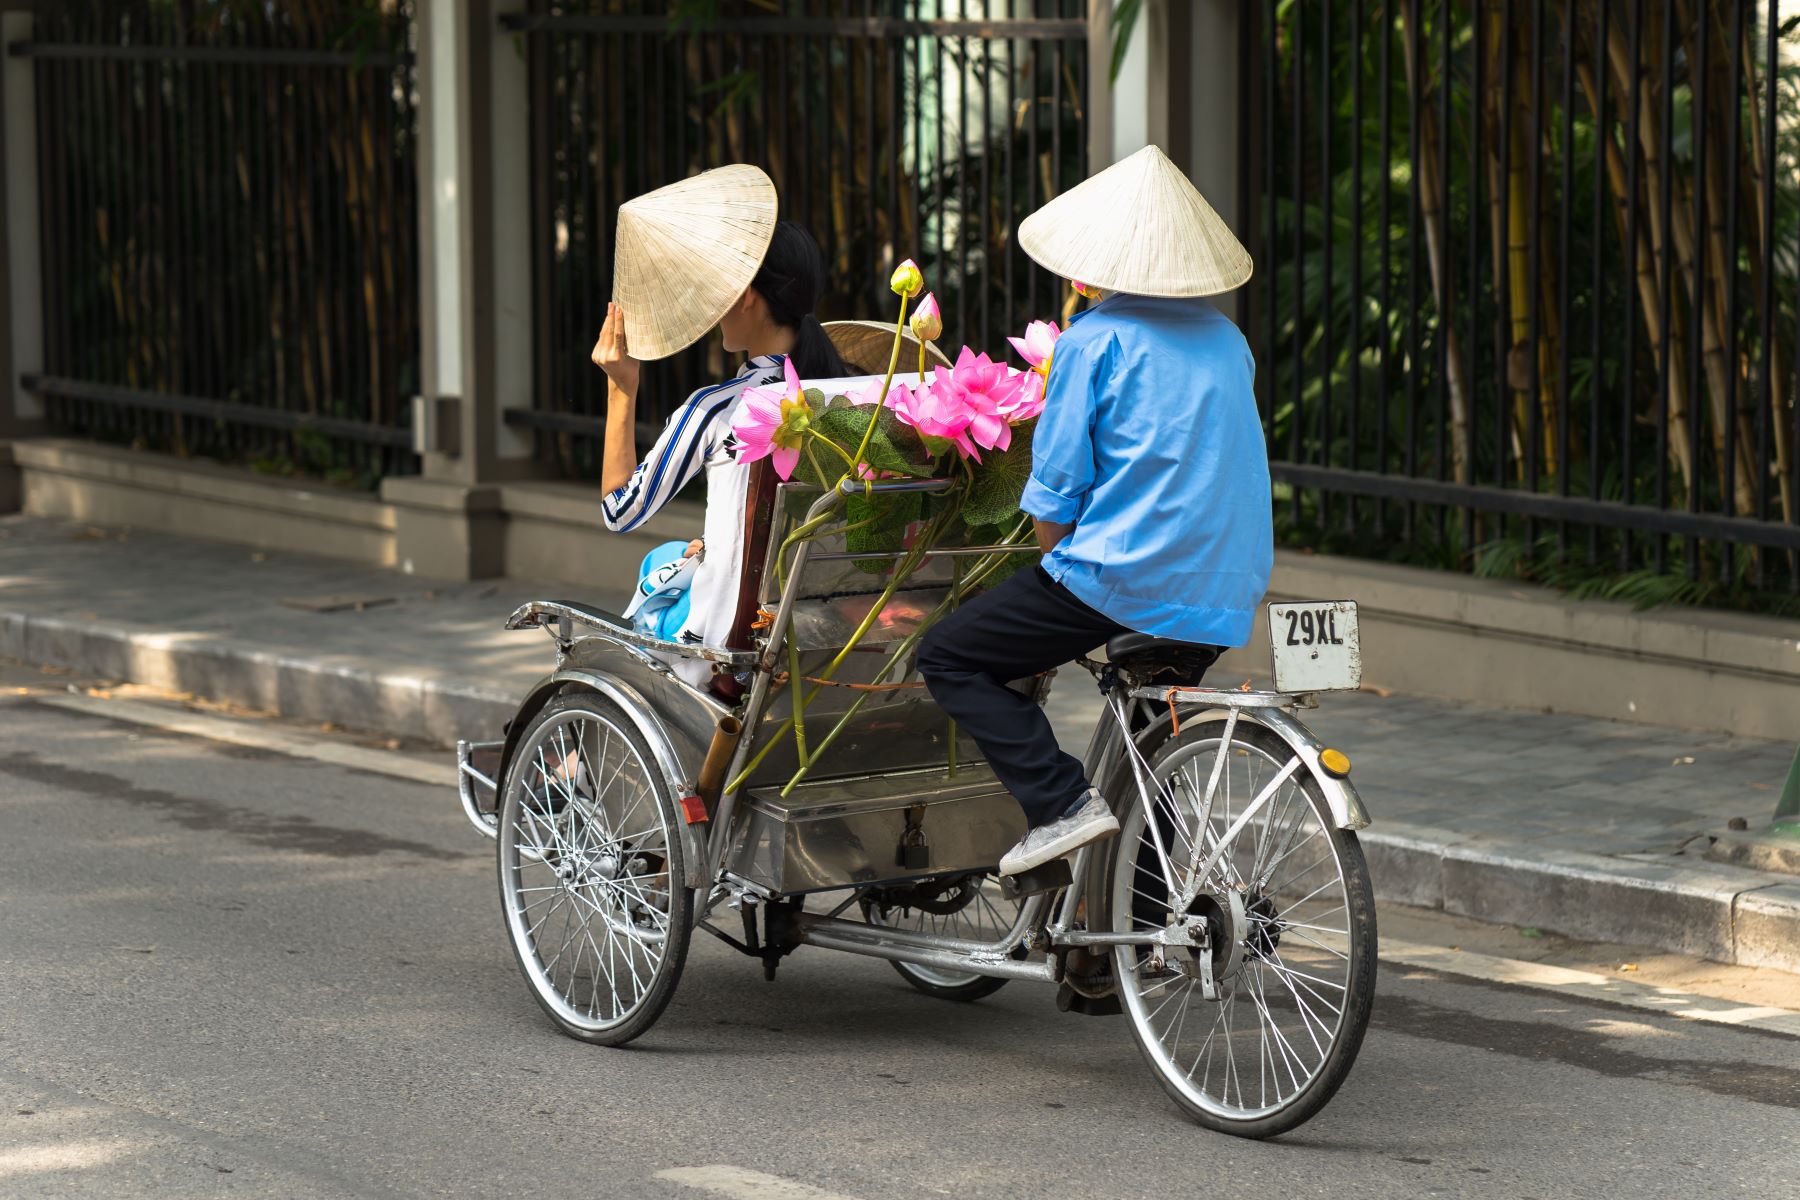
(939, 413)
(1035, 348)
(772, 422)
(968, 404)
(927, 321)
(870, 393)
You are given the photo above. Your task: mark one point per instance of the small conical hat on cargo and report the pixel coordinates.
(684, 253)
(1139, 227)
(866, 346)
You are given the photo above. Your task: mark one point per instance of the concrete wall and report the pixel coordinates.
(1434, 633)
(550, 532)
(81, 481)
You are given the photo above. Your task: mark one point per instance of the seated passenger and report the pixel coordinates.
(707, 251)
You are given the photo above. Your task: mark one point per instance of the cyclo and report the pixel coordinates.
(1232, 919)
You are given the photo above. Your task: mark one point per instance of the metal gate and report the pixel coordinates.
(1526, 295)
(229, 228)
(892, 129)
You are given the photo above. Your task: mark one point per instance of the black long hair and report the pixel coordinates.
(790, 282)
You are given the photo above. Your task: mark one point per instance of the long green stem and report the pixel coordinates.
(801, 700)
(835, 449)
(893, 365)
(798, 682)
(798, 535)
(984, 567)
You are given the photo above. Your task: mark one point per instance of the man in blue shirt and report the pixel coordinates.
(1149, 485)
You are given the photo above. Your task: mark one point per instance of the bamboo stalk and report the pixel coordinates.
(1429, 185)
(1761, 260)
(1651, 140)
(1716, 335)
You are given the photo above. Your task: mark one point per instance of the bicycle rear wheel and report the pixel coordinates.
(1290, 912)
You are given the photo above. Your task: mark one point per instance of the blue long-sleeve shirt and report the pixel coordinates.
(1151, 446)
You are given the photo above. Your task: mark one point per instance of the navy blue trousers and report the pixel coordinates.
(1028, 624)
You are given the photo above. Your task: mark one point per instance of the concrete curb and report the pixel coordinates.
(342, 690)
(1727, 914)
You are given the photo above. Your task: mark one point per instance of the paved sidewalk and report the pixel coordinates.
(1567, 823)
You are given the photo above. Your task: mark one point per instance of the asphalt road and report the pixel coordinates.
(226, 971)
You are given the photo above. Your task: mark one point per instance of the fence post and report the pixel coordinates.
(21, 323)
(1100, 91)
(1207, 116)
(475, 296)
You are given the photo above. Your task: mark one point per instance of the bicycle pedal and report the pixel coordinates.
(1047, 878)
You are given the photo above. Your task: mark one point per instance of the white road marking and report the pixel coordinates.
(1591, 986)
(258, 735)
(741, 1184)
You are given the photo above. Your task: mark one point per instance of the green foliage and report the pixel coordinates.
(1000, 481)
(878, 524)
(1124, 20)
(894, 446)
(1355, 354)
(1720, 580)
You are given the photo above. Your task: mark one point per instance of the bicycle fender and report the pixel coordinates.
(1347, 811)
(662, 747)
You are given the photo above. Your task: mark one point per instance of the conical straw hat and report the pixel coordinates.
(685, 253)
(1138, 227)
(868, 345)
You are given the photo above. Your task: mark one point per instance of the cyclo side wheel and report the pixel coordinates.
(971, 911)
(1291, 916)
(591, 872)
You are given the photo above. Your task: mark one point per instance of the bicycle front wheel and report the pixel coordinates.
(1238, 834)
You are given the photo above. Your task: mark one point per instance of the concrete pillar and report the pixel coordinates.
(1212, 117)
(1100, 92)
(21, 316)
(1178, 88)
(474, 253)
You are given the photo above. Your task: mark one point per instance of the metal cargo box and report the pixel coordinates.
(834, 833)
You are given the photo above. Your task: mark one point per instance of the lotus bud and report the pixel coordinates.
(907, 280)
(928, 322)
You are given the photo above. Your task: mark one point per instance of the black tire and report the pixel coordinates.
(559, 835)
(1133, 852)
(976, 988)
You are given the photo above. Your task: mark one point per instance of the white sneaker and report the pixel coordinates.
(1089, 823)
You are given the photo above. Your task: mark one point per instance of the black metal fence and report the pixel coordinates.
(892, 129)
(229, 230)
(1527, 285)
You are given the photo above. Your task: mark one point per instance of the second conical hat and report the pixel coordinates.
(1139, 227)
(684, 253)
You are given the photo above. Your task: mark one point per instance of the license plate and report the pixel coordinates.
(1315, 646)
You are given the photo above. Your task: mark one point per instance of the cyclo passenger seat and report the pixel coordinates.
(1162, 660)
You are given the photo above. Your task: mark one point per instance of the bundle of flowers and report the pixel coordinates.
(969, 423)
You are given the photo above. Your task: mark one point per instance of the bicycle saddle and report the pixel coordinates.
(1162, 658)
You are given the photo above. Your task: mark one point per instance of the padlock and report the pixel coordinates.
(913, 854)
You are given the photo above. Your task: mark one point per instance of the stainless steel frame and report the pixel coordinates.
(622, 664)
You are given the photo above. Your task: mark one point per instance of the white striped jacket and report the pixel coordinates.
(697, 435)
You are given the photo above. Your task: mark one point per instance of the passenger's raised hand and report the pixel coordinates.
(612, 355)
